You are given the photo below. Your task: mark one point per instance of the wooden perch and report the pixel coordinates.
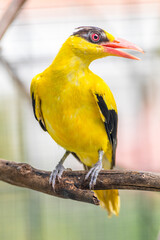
(72, 184)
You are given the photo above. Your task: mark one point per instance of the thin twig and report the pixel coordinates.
(9, 15)
(72, 184)
(7, 18)
(15, 78)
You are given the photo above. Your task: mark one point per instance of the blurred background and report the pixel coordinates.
(28, 46)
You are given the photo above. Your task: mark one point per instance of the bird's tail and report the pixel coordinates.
(110, 200)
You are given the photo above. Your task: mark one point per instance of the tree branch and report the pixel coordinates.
(72, 184)
(23, 175)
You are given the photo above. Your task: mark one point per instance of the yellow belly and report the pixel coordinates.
(72, 117)
(76, 127)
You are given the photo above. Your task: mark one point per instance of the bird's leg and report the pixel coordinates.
(57, 172)
(94, 171)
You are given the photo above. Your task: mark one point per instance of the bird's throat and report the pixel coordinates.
(68, 62)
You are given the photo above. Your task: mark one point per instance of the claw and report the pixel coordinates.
(57, 173)
(94, 171)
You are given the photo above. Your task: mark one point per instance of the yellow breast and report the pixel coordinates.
(71, 114)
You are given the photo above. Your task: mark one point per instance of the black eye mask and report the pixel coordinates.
(91, 34)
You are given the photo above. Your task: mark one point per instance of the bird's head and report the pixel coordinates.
(92, 43)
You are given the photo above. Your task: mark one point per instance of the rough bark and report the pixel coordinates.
(72, 184)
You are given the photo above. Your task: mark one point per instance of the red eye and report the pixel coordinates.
(95, 37)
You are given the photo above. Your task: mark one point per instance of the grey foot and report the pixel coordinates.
(57, 173)
(94, 171)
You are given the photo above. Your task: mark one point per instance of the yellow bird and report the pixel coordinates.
(77, 108)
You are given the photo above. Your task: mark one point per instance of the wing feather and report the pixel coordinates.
(110, 119)
(36, 103)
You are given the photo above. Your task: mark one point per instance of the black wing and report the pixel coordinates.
(41, 120)
(111, 122)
